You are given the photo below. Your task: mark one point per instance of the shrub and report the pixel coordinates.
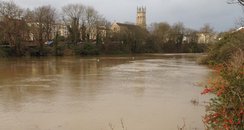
(226, 109)
(114, 48)
(89, 49)
(2, 53)
(224, 48)
(6, 51)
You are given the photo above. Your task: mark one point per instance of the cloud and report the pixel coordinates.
(193, 13)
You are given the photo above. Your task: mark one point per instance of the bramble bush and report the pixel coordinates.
(226, 110)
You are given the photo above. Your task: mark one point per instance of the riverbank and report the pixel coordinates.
(93, 49)
(226, 57)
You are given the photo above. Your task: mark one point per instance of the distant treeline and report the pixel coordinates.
(81, 30)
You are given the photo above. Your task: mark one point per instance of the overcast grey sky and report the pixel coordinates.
(193, 13)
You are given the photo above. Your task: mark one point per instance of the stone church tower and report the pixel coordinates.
(141, 17)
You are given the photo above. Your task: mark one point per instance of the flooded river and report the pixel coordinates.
(144, 92)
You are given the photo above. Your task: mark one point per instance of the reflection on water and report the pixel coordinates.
(149, 92)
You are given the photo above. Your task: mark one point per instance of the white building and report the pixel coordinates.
(61, 29)
(206, 38)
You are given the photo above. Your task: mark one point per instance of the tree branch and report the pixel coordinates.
(241, 2)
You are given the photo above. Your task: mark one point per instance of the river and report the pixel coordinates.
(143, 92)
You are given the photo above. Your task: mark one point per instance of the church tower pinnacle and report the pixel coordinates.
(141, 17)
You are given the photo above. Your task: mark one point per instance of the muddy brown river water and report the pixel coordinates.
(144, 92)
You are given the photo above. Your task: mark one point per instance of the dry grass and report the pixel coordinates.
(237, 60)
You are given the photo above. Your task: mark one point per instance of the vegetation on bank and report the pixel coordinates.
(222, 51)
(95, 49)
(226, 110)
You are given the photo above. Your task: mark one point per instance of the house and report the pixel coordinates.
(206, 38)
(240, 29)
(129, 33)
(61, 29)
(13, 30)
(127, 28)
(120, 27)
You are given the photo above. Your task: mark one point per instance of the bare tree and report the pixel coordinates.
(178, 28)
(241, 2)
(161, 31)
(92, 22)
(240, 22)
(43, 20)
(72, 11)
(207, 29)
(28, 15)
(82, 22)
(102, 30)
(73, 16)
(14, 29)
(10, 10)
(177, 34)
(190, 36)
(208, 33)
